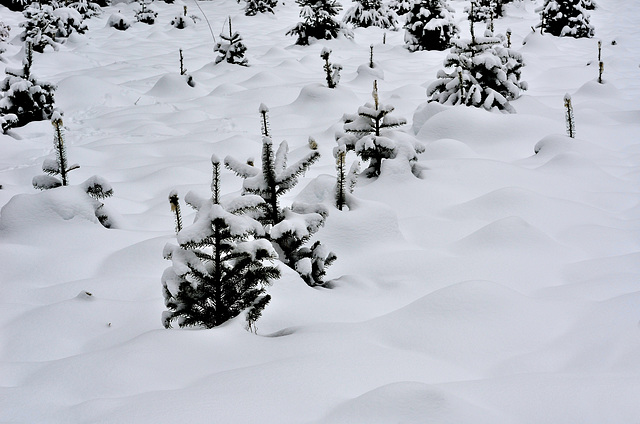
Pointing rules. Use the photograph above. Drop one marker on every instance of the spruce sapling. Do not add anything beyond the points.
(231, 48)
(364, 133)
(174, 201)
(56, 170)
(146, 15)
(218, 268)
(565, 18)
(332, 71)
(568, 115)
(600, 62)
(366, 13)
(253, 7)
(318, 21)
(23, 98)
(345, 181)
(429, 26)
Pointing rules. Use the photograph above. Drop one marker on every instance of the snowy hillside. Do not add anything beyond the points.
(502, 285)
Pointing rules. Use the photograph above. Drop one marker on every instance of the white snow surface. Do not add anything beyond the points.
(502, 286)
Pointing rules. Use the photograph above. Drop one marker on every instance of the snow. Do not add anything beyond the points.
(501, 286)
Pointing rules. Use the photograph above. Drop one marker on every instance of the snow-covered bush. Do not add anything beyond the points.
(181, 21)
(287, 228)
(565, 18)
(482, 73)
(86, 8)
(22, 97)
(218, 267)
(253, 7)
(47, 25)
(56, 170)
(401, 7)
(231, 49)
(429, 25)
(318, 21)
(331, 70)
(366, 13)
(368, 133)
(119, 22)
(145, 14)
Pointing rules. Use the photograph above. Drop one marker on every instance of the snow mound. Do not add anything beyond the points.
(447, 148)
(504, 235)
(171, 85)
(29, 211)
(80, 92)
(410, 403)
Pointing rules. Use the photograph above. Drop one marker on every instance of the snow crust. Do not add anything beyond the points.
(501, 286)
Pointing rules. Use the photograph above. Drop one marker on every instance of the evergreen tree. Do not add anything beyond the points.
(401, 7)
(119, 22)
(47, 25)
(318, 21)
(565, 18)
(22, 97)
(253, 7)
(291, 227)
(483, 73)
(367, 133)
(56, 170)
(144, 14)
(345, 181)
(366, 13)
(231, 48)
(429, 25)
(332, 70)
(218, 267)
(86, 8)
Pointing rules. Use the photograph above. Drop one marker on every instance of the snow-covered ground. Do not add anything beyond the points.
(502, 286)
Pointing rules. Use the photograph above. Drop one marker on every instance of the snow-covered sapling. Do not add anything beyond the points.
(231, 48)
(119, 22)
(483, 73)
(318, 21)
(365, 133)
(589, 4)
(40, 27)
(371, 63)
(332, 70)
(287, 228)
(366, 13)
(508, 34)
(429, 25)
(345, 181)
(568, 116)
(181, 21)
(253, 7)
(56, 168)
(219, 266)
(565, 18)
(600, 62)
(401, 7)
(144, 14)
(313, 262)
(174, 201)
(23, 98)
(86, 8)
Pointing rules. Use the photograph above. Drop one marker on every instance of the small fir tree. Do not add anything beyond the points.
(56, 174)
(145, 14)
(56, 169)
(291, 227)
(565, 18)
(366, 13)
(23, 98)
(86, 8)
(568, 116)
(401, 7)
(253, 7)
(182, 20)
(119, 22)
(429, 25)
(218, 267)
(40, 27)
(174, 201)
(231, 48)
(318, 21)
(345, 181)
(332, 70)
(367, 133)
(483, 73)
